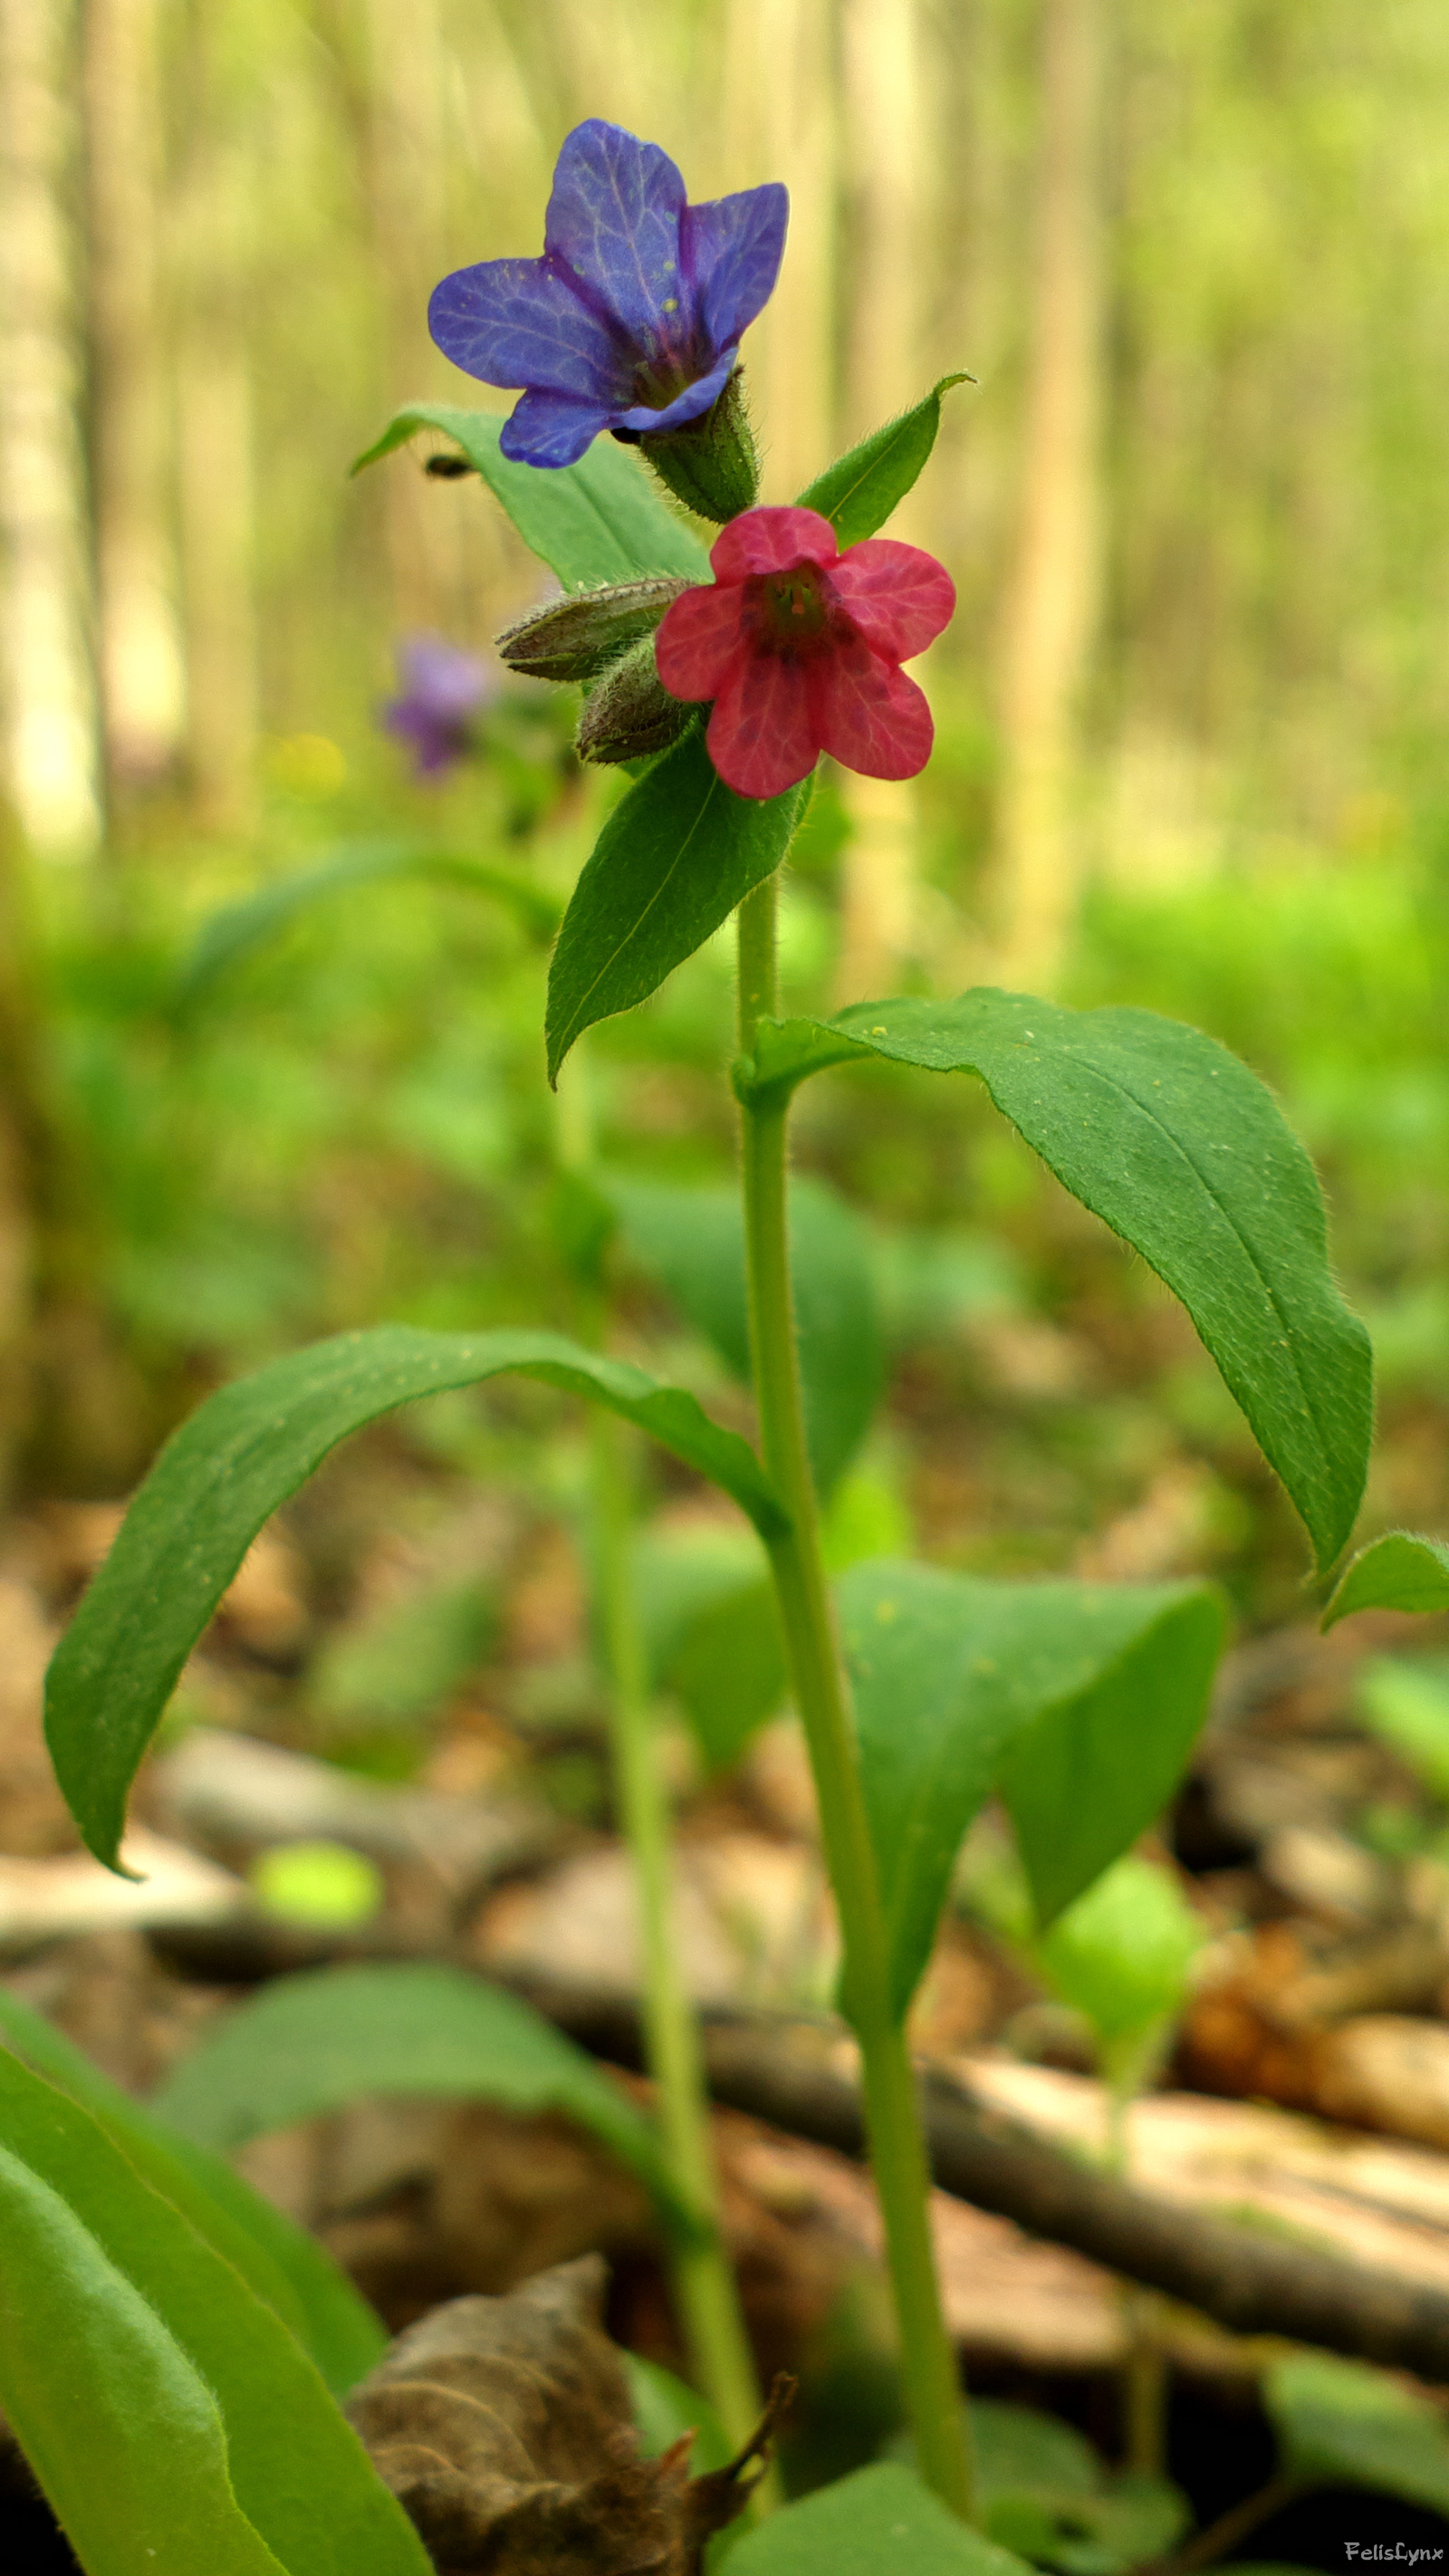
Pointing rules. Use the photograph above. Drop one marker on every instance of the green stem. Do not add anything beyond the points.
(1144, 2363)
(892, 2111)
(705, 2288)
(703, 2279)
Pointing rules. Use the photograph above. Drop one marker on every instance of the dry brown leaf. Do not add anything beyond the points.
(503, 2427)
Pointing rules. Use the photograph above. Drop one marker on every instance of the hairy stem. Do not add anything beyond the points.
(893, 2119)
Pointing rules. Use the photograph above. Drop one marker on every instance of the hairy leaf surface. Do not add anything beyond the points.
(1397, 1572)
(859, 491)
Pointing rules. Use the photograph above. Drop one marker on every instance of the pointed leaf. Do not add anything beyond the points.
(224, 1473)
(693, 1241)
(116, 2312)
(962, 1684)
(1397, 1572)
(1185, 1154)
(859, 491)
(873, 2523)
(279, 2260)
(310, 2043)
(671, 863)
(239, 928)
(595, 522)
(1341, 2424)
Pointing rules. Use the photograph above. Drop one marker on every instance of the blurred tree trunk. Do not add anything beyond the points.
(216, 476)
(406, 159)
(142, 680)
(45, 667)
(780, 122)
(1052, 601)
(884, 152)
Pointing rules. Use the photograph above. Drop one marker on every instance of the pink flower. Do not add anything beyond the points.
(800, 649)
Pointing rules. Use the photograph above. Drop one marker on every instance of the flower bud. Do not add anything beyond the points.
(574, 638)
(712, 465)
(630, 713)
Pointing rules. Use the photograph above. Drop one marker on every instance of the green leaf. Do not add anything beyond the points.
(873, 2523)
(1407, 1705)
(1122, 1954)
(310, 2043)
(224, 1473)
(671, 863)
(1184, 1153)
(859, 491)
(595, 522)
(1044, 2492)
(962, 1684)
(712, 1633)
(279, 2260)
(1342, 2424)
(171, 2417)
(664, 2409)
(239, 928)
(693, 1242)
(1397, 1572)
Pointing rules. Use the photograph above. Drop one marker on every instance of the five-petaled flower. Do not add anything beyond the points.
(443, 690)
(800, 648)
(632, 318)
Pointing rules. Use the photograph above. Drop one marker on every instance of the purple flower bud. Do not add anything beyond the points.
(632, 317)
(443, 690)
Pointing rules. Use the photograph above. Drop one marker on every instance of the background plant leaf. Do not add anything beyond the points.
(960, 1683)
(598, 521)
(671, 863)
(1121, 1955)
(116, 2313)
(859, 491)
(1185, 1154)
(279, 2260)
(692, 1241)
(311, 2043)
(712, 1633)
(1341, 2424)
(224, 1473)
(878, 2519)
(1397, 1572)
(1045, 2494)
(238, 929)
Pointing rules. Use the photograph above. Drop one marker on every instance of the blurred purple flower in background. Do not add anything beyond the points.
(443, 691)
(632, 317)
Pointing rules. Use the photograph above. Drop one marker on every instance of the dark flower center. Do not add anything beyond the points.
(792, 612)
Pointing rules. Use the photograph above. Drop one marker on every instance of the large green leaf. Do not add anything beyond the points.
(311, 2043)
(712, 1633)
(170, 2415)
(280, 2261)
(1184, 1153)
(598, 521)
(875, 2523)
(1340, 2424)
(859, 491)
(239, 928)
(693, 1242)
(962, 1684)
(1397, 1572)
(671, 863)
(225, 1472)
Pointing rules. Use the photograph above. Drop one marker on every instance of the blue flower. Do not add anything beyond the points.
(632, 317)
(443, 690)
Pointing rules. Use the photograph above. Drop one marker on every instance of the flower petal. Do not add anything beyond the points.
(897, 597)
(868, 715)
(613, 219)
(551, 429)
(731, 250)
(697, 639)
(771, 540)
(518, 322)
(761, 736)
(695, 399)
